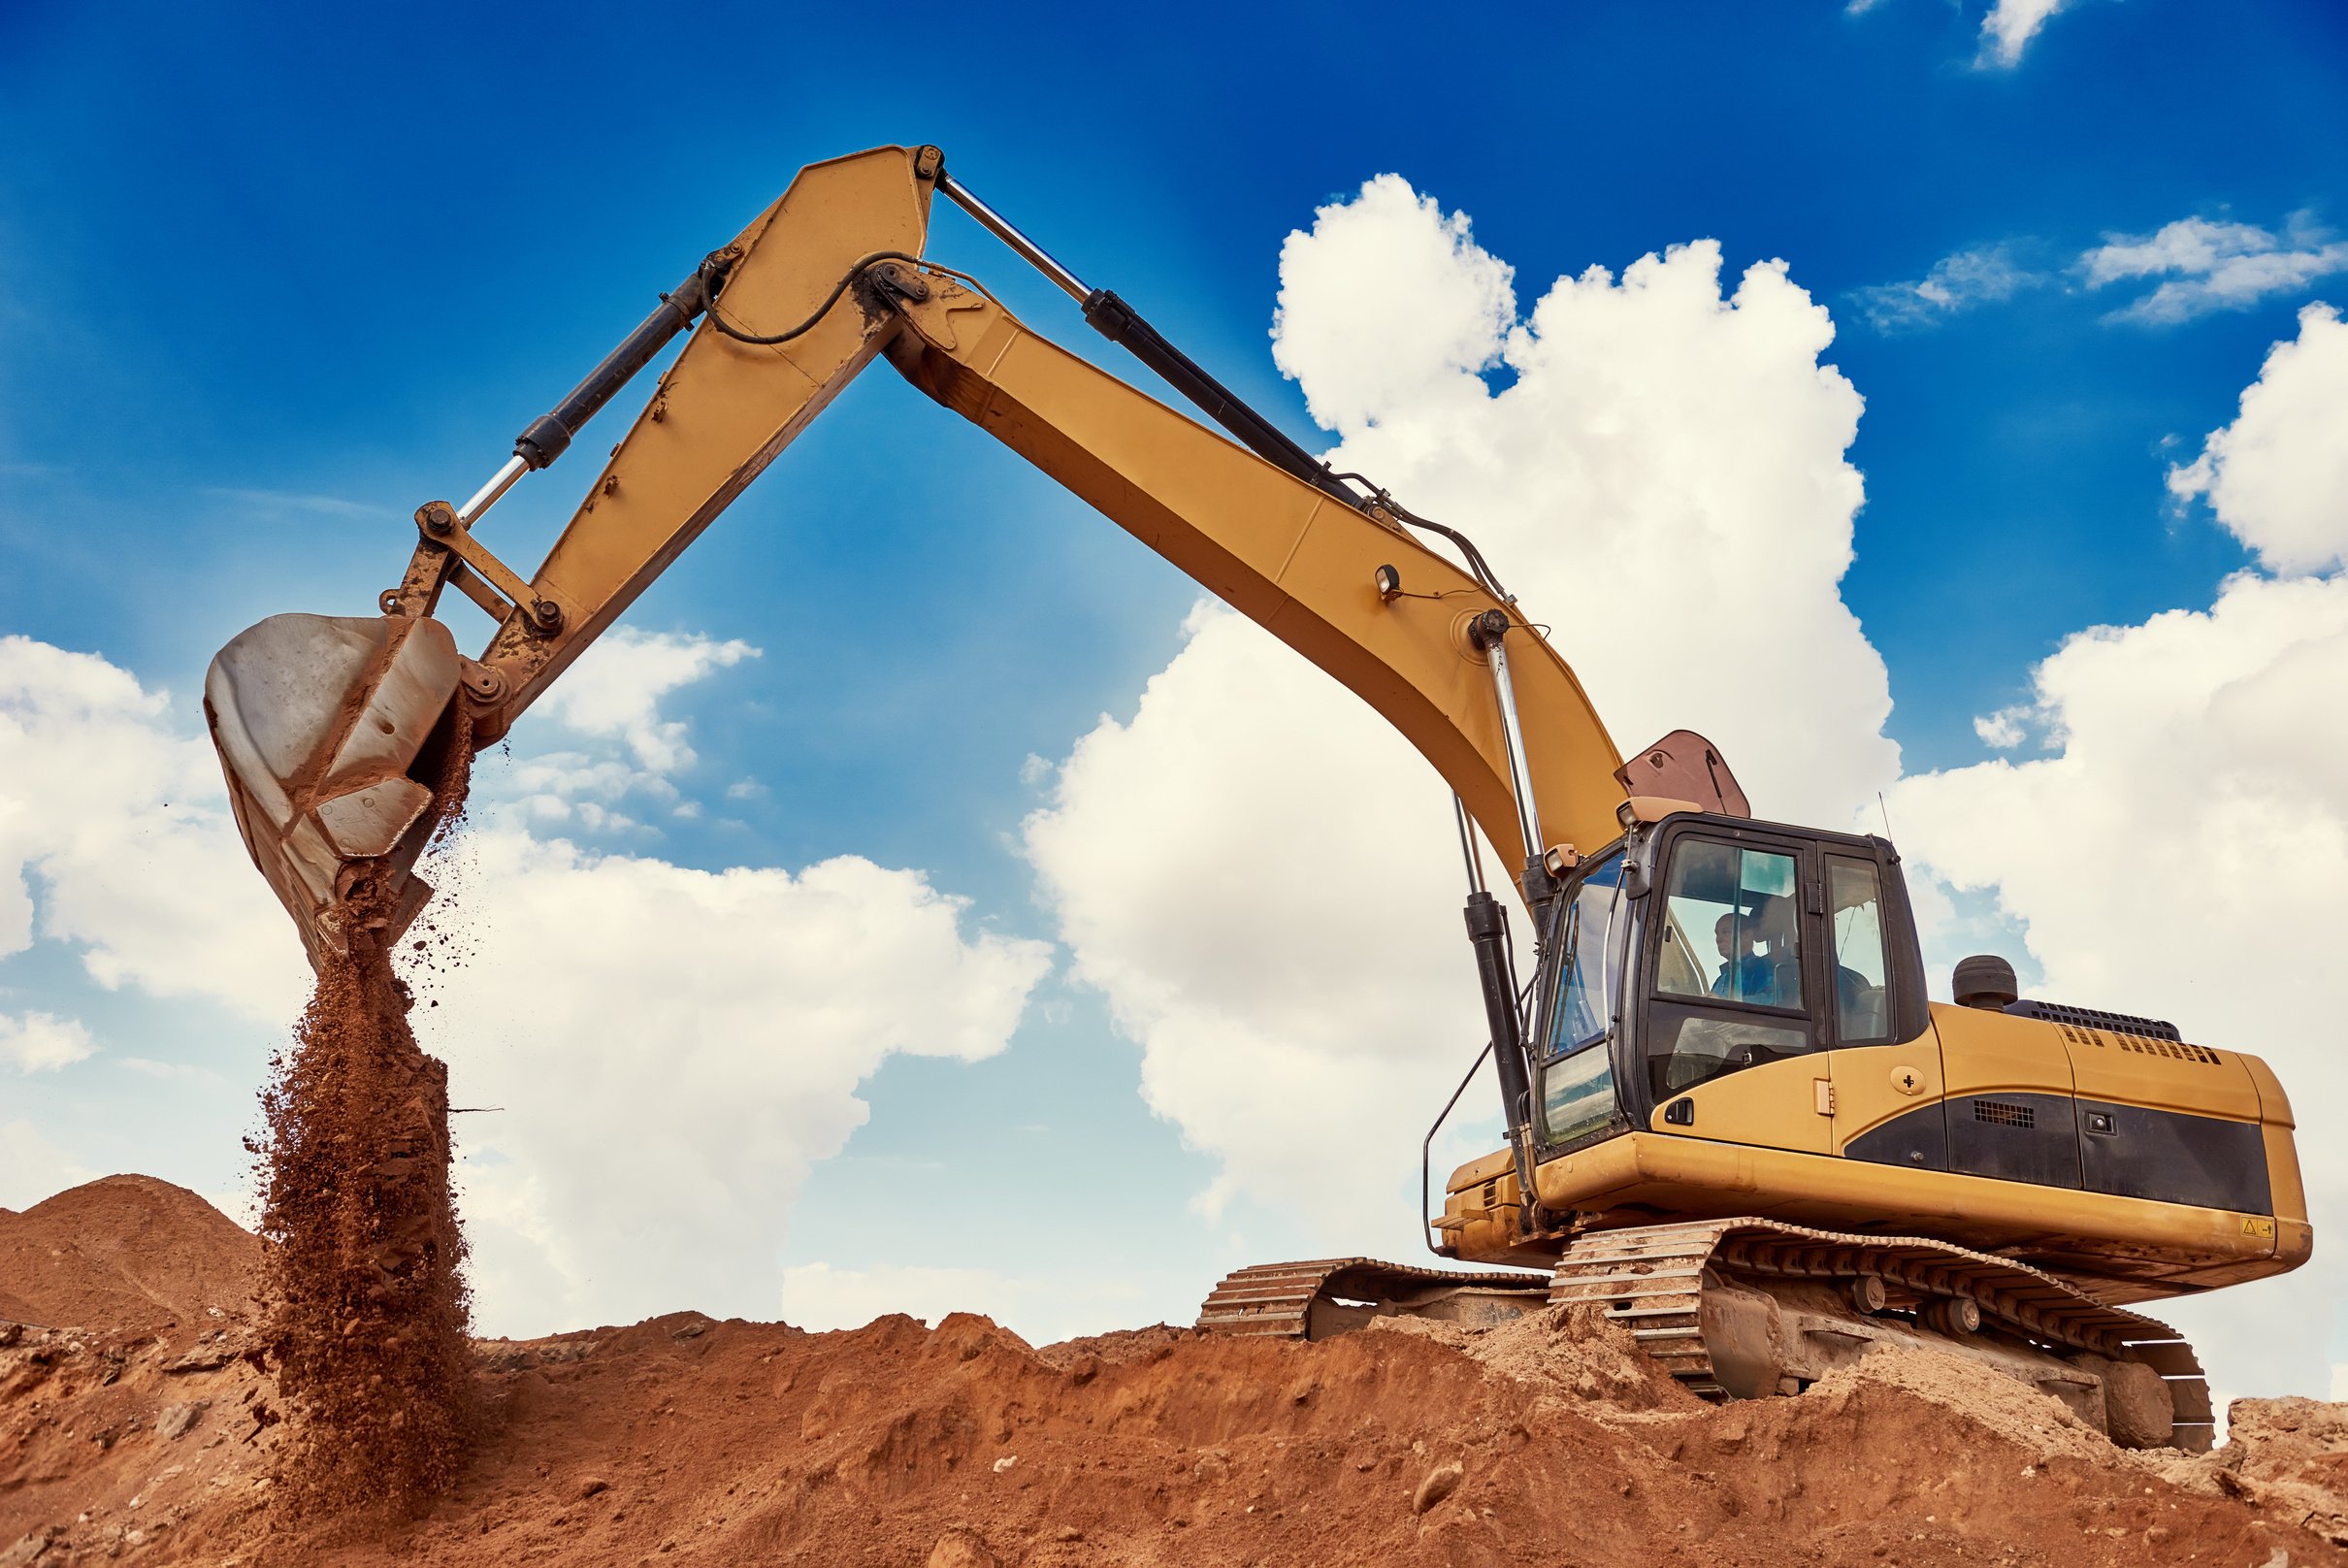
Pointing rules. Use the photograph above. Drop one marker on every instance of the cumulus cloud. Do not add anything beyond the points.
(674, 1047)
(2182, 849)
(672, 1050)
(2277, 477)
(615, 689)
(2009, 26)
(43, 1042)
(117, 818)
(32, 1168)
(1364, 344)
(1955, 283)
(2210, 266)
(2004, 729)
(1260, 876)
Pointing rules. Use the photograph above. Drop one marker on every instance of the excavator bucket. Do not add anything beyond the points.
(334, 734)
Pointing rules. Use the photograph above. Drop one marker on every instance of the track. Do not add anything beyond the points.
(1749, 1307)
(1652, 1280)
(1311, 1301)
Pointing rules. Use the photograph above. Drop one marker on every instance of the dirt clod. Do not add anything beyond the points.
(1438, 1483)
(962, 1549)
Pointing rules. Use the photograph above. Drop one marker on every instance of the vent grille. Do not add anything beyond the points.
(2175, 1050)
(1491, 1194)
(2005, 1113)
(2090, 1018)
(2145, 1037)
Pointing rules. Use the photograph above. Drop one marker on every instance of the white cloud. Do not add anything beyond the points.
(33, 1168)
(2183, 852)
(1953, 284)
(819, 1296)
(2212, 266)
(2009, 26)
(1263, 877)
(39, 1042)
(2003, 730)
(120, 822)
(673, 1050)
(2277, 477)
(674, 1047)
(279, 502)
(614, 690)
(1368, 343)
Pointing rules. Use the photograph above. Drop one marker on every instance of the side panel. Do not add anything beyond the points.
(2174, 1159)
(2297, 1239)
(1887, 1103)
(2009, 1098)
(2015, 1135)
(2169, 1247)
(1777, 1105)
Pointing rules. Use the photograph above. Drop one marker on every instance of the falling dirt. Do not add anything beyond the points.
(367, 1309)
(152, 1437)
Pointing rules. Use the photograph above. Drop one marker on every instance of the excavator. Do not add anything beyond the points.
(1736, 1128)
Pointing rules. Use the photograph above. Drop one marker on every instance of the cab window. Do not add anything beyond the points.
(1728, 987)
(1856, 911)
(1732, 926)
(1582, 1006)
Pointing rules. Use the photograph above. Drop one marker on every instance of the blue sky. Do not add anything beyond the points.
(267, 284)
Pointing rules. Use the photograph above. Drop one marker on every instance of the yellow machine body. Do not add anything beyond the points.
(1777, 1141)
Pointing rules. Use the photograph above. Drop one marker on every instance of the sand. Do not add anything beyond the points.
(682, 1440)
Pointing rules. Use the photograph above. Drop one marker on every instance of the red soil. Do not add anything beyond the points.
(681, 1440)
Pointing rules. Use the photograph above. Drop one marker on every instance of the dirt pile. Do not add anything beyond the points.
(367, 1309)
(684, 1440)
(128, 1251)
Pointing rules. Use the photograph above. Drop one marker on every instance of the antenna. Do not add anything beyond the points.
(1886, 810)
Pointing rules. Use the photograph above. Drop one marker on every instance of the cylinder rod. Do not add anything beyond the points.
(1001, 228)
(1487, 925)
(1467, 844)
(499, 483)
(1512, 735)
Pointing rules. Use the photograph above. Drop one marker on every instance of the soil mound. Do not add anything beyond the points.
(686, 1440)
(125, 1252)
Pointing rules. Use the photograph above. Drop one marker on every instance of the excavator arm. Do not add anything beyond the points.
(333, 731)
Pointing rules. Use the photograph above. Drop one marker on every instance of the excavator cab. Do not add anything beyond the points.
(1705, 945)
(1731, 1020)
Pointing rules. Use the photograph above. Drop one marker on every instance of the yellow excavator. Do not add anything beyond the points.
(1736, 1126)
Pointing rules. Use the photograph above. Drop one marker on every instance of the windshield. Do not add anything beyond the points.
(1581, 1009)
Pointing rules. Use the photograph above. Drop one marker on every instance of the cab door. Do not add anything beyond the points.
(1731, 1047)
(1886, 1077)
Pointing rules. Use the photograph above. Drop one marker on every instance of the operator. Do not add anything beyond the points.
(1744, 974)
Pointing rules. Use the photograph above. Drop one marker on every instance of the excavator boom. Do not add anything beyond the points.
(821, 284)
